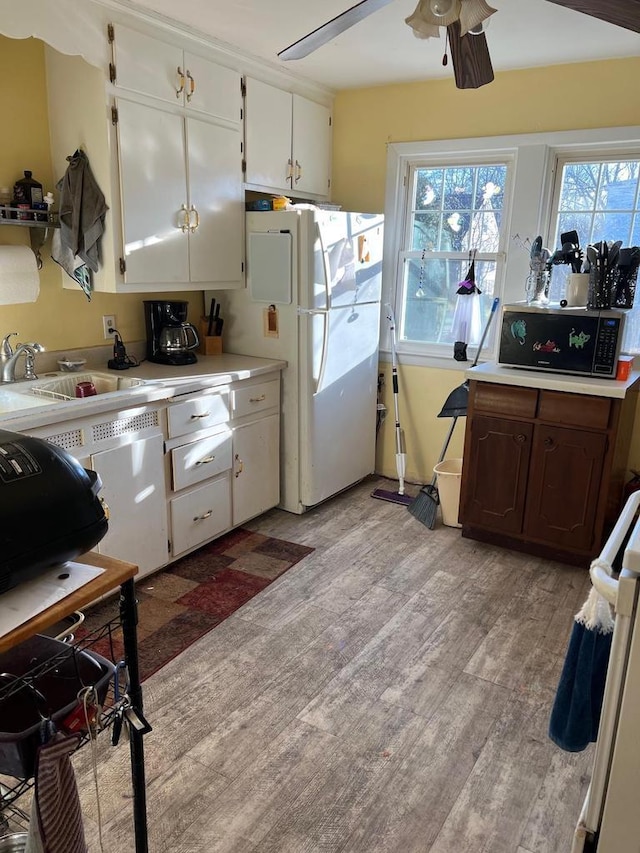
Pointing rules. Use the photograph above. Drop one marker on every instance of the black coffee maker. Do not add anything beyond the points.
(170, 339)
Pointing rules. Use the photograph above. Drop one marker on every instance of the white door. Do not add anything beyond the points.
(311, 147)
(216, 193)
(212, 88)
(338, 399)
(256, 468)
(147, 65)
(153, 187)
(268, 135)
(133, 487)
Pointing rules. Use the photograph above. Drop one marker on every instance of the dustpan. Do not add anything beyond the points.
(455, 406)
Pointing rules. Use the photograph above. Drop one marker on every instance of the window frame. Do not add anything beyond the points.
(533, 186)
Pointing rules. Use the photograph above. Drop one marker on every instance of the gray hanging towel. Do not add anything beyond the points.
(58, 826)
(75, 245)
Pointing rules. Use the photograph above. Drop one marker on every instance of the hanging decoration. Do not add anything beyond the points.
(467, 317)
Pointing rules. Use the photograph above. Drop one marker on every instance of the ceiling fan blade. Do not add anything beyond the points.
(470, 58)
(622, 13)
(313, 40)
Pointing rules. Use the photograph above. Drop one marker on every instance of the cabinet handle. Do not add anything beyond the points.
(184, 227)
(195, 226)
(298, 172)
(521, 438)
(180, 90)
(198, 417)
(258, 399)
(192, 86)
(206, 460)
(239, 466)
(204, 515)
(548, 442)
(289, 168)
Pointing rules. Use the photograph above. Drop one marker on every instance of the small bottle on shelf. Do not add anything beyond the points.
(26, 192)
(5, 201)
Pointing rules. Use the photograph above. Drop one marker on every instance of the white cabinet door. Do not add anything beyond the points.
(311, 146)
(147, 65)
(268, 135)
(216, 192)
(153, 188)
(150, 66)
(133, 487)
(256, 468)
(212, 88)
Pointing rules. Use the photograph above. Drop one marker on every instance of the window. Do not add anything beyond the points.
(447, 198)
(454, 218)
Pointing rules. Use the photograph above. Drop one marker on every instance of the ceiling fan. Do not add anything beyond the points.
(464, 21)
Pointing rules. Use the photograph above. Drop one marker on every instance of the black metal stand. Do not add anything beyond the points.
(129, 620)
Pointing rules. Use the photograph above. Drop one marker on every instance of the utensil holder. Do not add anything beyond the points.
(624, 287)
(537, 287)
(209, 344)
(600, 289)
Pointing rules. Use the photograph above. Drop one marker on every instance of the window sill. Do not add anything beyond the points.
(439, 362)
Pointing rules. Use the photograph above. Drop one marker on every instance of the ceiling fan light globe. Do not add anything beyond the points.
(439, 13)
(473, 15)
(441, 8)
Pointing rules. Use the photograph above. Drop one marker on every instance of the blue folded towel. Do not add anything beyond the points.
(575, 716)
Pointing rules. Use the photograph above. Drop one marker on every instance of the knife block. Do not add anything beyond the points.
(209, 344)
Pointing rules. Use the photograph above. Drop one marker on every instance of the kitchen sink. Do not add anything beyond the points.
(64, 388)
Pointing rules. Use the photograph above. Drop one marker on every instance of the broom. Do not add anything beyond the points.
(398, 497)
(424, 506)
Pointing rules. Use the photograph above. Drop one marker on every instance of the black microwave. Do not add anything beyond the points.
(564, 340)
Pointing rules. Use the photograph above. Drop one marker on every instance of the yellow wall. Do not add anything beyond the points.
(60, 319)
(562, 97)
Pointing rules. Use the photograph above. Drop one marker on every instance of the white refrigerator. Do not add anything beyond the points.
(314, 283)
(610, 817)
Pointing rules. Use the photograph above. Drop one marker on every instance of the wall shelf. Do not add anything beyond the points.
(39, 223)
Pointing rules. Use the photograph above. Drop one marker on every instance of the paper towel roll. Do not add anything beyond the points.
(19, 277)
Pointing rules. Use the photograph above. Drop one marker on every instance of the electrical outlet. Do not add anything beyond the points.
(108, 325)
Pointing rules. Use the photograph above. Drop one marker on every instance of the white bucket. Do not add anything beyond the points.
(449, 476)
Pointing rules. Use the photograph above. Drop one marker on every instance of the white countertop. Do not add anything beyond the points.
(499, 373)
(161, 382)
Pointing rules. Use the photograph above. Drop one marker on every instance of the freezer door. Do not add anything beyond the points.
(338, 399)
(348, 258)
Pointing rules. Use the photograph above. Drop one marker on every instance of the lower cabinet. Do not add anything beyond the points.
(133, 489)
(200, 515)
(256, 468)
(544, 470)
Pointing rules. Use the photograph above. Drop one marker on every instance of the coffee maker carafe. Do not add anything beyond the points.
(170, 339)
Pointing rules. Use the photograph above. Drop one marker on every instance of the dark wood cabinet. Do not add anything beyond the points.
(544, 470)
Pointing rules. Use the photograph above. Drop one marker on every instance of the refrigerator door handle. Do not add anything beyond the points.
(323, 359)
(326, 266)
(303, 311)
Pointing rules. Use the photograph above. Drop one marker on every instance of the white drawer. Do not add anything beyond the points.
(200, 515)
(200, 460)
(255, 398)
(197, 413)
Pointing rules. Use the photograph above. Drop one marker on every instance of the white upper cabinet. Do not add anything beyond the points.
(152, 67)
(288, 141)
(181, 191)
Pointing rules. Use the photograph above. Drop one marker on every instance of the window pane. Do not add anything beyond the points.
(430, 297)
(458, 208)
(579, 186)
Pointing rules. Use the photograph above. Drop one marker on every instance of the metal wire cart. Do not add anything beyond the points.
(78, 660)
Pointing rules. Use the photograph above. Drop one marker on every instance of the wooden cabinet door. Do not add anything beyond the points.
(216, 192)
(153, 186)
(311, 146)
(256, 468)
(133, 487)
(268, 135)
(495, 474)
(566, 472)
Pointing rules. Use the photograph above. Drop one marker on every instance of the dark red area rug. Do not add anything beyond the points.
(179, 604)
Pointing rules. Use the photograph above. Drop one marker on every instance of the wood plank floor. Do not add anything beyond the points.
(391, 692)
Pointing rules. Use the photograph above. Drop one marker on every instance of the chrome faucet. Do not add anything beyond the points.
(9, 359)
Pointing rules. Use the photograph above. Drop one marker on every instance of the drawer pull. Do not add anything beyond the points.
(197, 417)
(548, 442)
(258, 399)
(521, 438)
(239, 466)
(204, 516)
(206, 460)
